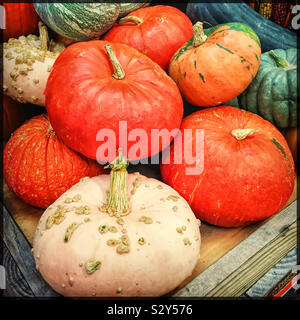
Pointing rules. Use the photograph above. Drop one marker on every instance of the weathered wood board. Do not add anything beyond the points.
(216, 241)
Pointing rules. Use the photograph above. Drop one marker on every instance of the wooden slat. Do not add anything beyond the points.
(20, 251)
(274, 275)
(243, 278)
(218, 272)
(15, 283)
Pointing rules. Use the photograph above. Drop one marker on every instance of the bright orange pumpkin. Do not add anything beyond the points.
(13, 115)
(217, 64)
(20, 19)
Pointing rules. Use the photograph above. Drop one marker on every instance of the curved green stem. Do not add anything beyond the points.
(280, 62)
(117, 201)
(119, 73)
(198, 34)
(133, 19)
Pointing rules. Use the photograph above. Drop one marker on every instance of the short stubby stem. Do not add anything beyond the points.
(134, 19)
(198, 34)
(119, 73)
(117, 201)
(280, 62)
(241, 134)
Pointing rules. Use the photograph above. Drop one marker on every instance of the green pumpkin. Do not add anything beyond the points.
(79, 21)
(131, 5)
(273, 92)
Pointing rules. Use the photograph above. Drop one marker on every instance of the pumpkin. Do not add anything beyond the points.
(216, 66)
(291, 136)
(245, 170)
(13, 115)
(99, 84)
(89, 245)
(157, 31)
(271, 35)
(27, 63)
(38, 167)
(20, 19)
(79, 21)
(273, 92)
(130, 5)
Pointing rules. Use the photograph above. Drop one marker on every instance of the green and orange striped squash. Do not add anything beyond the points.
(216, 64)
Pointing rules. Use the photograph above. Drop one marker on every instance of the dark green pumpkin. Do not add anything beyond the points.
(273, 92)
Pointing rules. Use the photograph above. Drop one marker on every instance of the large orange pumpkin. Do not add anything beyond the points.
(246, 171)
(39, 167)
(216, 65)
(13, 115)
(20, 19)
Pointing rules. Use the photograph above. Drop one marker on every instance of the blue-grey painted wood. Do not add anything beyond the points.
(15, 283)
(274, 275)
(20, 251)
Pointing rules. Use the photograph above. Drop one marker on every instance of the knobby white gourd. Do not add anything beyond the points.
(27, 63)
(118, 235)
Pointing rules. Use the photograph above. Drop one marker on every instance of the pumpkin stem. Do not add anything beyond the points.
(280, 62)
(119, 73)
(43, 36)
(241, 134)
(198, 34)
(133, 19)
(117, 201)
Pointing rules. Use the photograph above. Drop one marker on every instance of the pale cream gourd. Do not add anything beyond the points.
(27, 63)
(96, 242)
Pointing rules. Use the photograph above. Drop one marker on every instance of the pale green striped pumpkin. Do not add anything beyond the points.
(79, 21)
(131, 5)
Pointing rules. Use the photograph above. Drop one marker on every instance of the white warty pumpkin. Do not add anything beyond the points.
(27, 63)
(81, 249)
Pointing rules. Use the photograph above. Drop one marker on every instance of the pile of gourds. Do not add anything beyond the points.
(107, 235)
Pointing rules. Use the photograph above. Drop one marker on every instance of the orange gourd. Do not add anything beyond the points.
(217, 65)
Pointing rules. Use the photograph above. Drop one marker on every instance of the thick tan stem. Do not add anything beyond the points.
(117, 201)
(118, 70)
(44, 36)
(198, 34)
(133, 19)
(241, 134)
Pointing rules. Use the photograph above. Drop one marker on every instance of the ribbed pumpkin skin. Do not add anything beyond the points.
(220, 68)
(20, 19)
(243, 181)
(38, 167)
(78, 21)
(163, 31)
(82, 97)
(273, 92)
(13, 115)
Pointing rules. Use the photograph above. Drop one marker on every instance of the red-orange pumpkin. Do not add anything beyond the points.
(217, 64)
(96, 84)
(248, 172)
(157, 31)
(20, 19)
(39, 167)
(13, 115)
